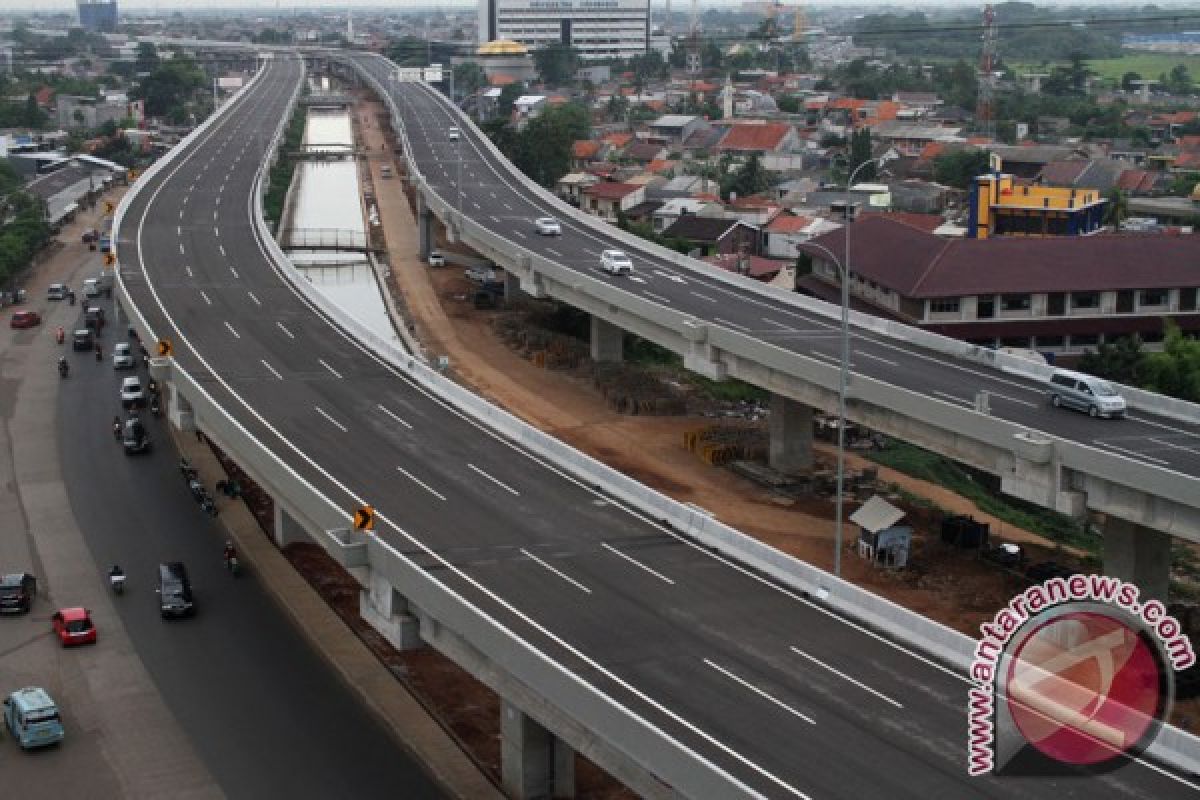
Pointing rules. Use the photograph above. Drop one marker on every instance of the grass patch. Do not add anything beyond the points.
(283, 169)
(927, 466)
(729, 391)
(1148, 65)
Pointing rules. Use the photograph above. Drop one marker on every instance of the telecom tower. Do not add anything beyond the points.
(693, 48)
(984, 109)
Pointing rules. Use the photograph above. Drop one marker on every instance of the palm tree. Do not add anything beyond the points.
(1117, 209)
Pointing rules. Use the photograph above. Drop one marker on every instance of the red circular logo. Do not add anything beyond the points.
(1084, 687)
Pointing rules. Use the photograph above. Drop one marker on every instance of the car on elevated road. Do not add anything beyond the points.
(616, 262)
(547, 226)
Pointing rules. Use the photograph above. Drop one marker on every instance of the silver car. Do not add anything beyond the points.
(547, 226)
(616, 262)
(122, 356)
(132, 393)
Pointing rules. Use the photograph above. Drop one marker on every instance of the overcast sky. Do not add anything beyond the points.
(678, 6)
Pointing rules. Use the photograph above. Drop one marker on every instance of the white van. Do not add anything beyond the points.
(1085, 392)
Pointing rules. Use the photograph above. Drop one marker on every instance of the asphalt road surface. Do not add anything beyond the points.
(267, 715)
(788, 698)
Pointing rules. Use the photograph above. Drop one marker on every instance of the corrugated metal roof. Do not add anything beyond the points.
(876, 515)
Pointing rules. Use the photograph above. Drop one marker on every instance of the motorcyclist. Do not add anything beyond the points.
(117, 427)
(116, 571)
(59, 334)
(63, 366)
(229, 554)
(99, 352)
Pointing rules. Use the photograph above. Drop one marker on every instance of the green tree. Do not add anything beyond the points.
(408, 51)
(618, 107)
(469, 78)
(168, 88)
(1176, 370)
(1179, 81)
(147, 58)
(1128, 81)
(508, 97)
(860, 153)
(556, 64)
(959, 168)
(1117, 208)
(1122, 361)
(749, 179)
(543, 150)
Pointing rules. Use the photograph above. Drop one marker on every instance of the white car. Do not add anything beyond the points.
(122, 356)
(453, 133)
(436, 259)
(616, 262)
(547, 226)
(132, 393)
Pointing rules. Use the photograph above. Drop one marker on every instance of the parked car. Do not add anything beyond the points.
(83, 339)
(25, 319)
(17, 591)
(616, 262)
(122, 356)
(132, 393)
(73, 626)
(453, 133)
(32, 716)
(547, 226)
(436, 259)
(1085, 392)
(134, 437)
(56, 291)
(480, 274)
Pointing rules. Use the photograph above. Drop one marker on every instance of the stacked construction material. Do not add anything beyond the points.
(721, 444)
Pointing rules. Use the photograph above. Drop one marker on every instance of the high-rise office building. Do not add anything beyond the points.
(596, 28)
(98, 15)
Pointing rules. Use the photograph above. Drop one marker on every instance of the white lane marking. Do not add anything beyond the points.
(339, 425)
(846, 677)
(637, 279)
(1174, 446)
(705, 297)
(477, 206)
(519, 233)
(1128, 452)
(495, 219)
(874, 357)
(837, 362)
(202, 294)
(777, 323)
(321, 361)
(952, 398)
(188, 270)
(181, 248)
(257, 302)
(730, 324)
(217, 203)
(393, 416)
(496, 481)
(557, 572)
(285, 330)
(493, 194)
(671, 276)
(420, 483)
(1010, 399)
(236, 335)
(1154, 424)
(271, 369)
(657, 297)
(553, 252)
(221, 247)
(636, 563)
(179, 228)
(506, 205)
(234, 271)
(216, 232)
(215, 214)
(760, 692)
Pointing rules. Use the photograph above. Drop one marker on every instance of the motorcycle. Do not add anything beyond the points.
(63, 368)
(155, 408)
(233, 565)
(117, 581)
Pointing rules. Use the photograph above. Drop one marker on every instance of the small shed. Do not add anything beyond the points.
(880, 539)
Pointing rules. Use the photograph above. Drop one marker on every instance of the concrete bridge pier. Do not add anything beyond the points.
(388, 612)
(608, 341)
(1139, 555)
(179, 410)
(534, 763)
(286, 529)
(425, 237)
(791, 429)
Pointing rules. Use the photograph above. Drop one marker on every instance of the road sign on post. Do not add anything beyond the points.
(364, 518)
(164, 348)
(108, 207)
(109, 259)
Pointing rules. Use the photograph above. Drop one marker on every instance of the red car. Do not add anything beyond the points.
(74, 626)
(25, 319)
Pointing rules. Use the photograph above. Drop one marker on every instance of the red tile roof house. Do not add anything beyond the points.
(767, 137)
(715, 235)
(1057, 295)
(756, 267)
(605, 199)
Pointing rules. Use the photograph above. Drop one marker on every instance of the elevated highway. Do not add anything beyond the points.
(984, 408)
(605, 630)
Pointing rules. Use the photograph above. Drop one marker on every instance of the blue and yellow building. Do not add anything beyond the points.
(999, 207)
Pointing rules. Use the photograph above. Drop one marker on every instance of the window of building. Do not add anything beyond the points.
(1085, 340)
(1152, 297)
(1051, 341)
(1151, 337)
(1023, 342)
(1085, 299)
(944, 305)
(1014, 302)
